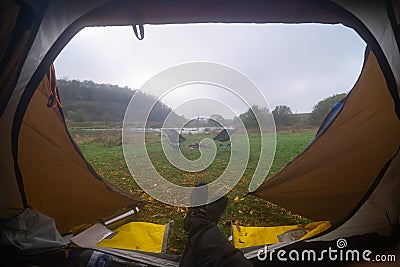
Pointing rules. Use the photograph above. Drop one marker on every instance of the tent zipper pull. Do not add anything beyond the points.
(53, 100)
(138, 29)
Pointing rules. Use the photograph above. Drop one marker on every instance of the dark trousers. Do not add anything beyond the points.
(207, 246)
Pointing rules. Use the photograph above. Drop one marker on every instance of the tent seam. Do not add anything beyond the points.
(16, 122)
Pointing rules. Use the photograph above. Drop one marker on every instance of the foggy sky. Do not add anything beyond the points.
(294, 65)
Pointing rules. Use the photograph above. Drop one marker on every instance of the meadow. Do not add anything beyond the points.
(103, 150)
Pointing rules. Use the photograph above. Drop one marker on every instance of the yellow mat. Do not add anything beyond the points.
(141, 236)
(254, 236)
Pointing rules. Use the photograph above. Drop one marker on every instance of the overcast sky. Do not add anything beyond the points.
(293, 65)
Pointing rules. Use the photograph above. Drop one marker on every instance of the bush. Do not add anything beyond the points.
(78, 115)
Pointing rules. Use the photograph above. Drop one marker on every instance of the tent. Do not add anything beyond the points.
(225, 135)
(174, 137)
(348, 175)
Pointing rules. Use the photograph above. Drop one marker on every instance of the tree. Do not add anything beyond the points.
(323, 107)
(283, 115)
(249, 118)
(235, 120)
(217, 120)
(78, 116)
(108, 103)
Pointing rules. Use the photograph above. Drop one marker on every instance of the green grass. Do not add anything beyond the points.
(104, 152)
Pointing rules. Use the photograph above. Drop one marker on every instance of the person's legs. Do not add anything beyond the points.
(207, 246)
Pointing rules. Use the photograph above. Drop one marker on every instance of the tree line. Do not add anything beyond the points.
(89, 101)
(283, 115)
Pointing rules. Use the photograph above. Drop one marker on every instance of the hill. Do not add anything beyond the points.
(87, 101)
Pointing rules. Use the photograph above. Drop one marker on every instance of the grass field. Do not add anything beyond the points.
(103, 150)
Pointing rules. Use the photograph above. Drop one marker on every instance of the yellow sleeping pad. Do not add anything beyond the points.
(141, 236)
(254, 236)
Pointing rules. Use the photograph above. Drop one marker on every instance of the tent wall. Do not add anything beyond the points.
(57, 21)
(57, 179)
(17, 31)
(379, 213)
(52, 23)
(332, 176)
(374, 15)
(15, 78)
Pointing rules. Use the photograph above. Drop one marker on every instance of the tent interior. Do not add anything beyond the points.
(348, 175)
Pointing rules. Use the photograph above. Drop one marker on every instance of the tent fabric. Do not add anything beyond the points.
(50, 160)
(330, 178)
(14, 41)
(374, 16)
(337, 107)
(12, 201)
(56, 23)
(173, 136)
(225, 135)
(15, 34)
(379, 213)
